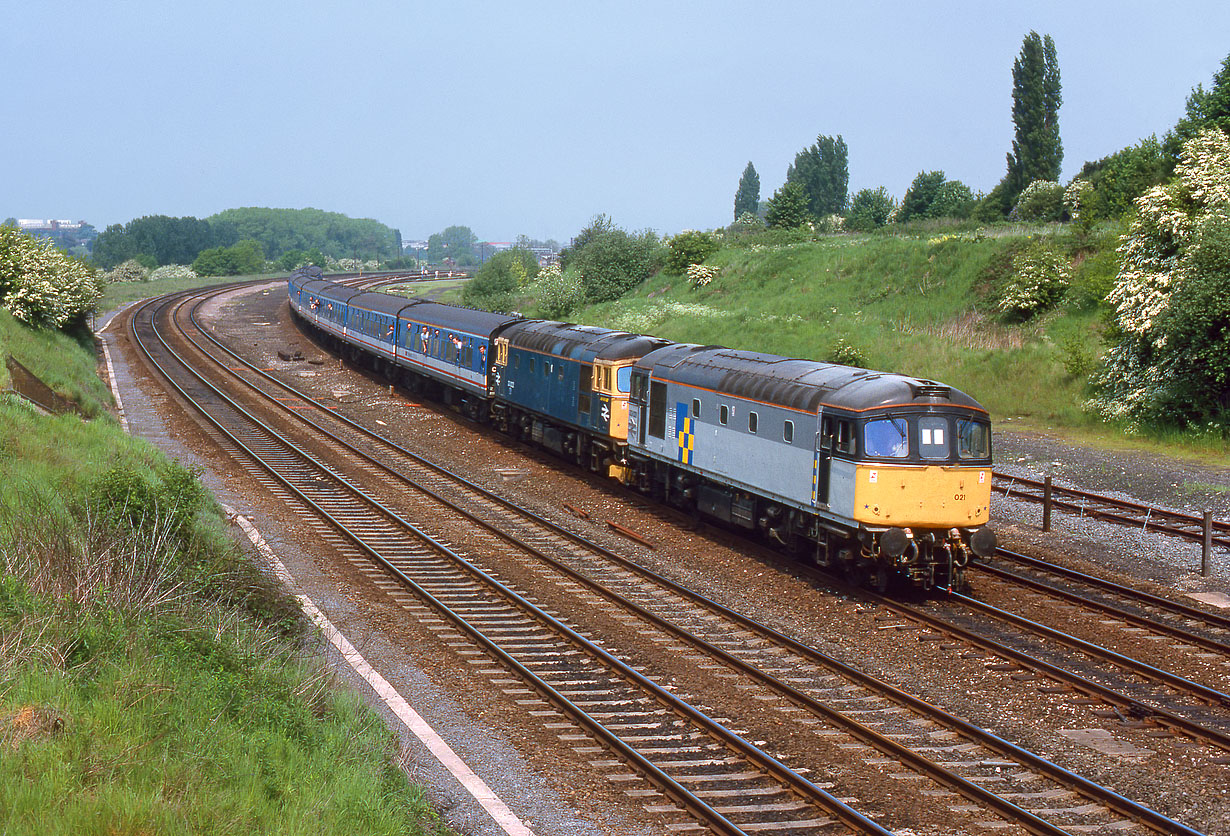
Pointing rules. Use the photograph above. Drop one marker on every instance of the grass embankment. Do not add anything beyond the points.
(922, 304)
(121, 293)
(151, 679)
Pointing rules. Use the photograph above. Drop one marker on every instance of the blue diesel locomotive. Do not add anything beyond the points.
(879, 476)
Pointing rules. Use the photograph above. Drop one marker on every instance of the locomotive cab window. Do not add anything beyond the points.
(933, 437)
(623, 379)
(887, 438)
(973, 439)
(826, 434)
(844, 437)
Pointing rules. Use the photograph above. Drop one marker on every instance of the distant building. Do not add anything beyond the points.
(75, 236)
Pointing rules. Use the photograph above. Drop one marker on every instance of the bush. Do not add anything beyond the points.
(40, 284)
(688, 248)
(1172, 297)
(130, 271)
(558, 293)
(870, 209)
(615, 262)
(172, 272)
(1042, 200)
(1041, 275)
(747, 223)
(500, 279)
(245, 258)
(842, 352)
(788, 208)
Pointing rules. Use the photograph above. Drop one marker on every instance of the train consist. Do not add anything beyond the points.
(879, 476)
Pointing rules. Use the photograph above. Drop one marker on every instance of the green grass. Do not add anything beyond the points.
(441, 290)
(115, 295)
(63, 362)
(152, 679)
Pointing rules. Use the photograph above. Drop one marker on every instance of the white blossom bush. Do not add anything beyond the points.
(700, 275)
(558, 293)
(1076, 197)
(128, 271)
(173, 272)
(1041, 275)
(1172, 297)
(1041, 200)
(41, 285)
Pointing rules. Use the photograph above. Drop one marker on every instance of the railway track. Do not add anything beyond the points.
(699, 766)
(1109, 509)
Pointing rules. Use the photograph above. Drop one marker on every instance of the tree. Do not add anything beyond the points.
(598, 225)
(615, 261)
(1037, 151)
(455, 242)
(1117, 180)
(870, 209)
(747, 196)
(824, 175)
(788, 208)
(497, 282)
(1205, 109)
(689, 247)
(40, 284)
(1172, 297)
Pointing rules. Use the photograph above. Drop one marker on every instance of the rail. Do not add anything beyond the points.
(1200, 529)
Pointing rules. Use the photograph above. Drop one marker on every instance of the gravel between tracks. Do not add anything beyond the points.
(830, 622)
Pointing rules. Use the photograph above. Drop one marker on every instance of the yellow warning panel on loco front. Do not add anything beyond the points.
(927, 497)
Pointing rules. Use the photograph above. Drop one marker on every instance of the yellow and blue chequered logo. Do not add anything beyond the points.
(684, 433)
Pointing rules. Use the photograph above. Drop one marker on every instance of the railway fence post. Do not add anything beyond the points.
(1208, 544)
(1046, 504)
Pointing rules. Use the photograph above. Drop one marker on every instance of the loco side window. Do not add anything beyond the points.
(788, 432)
(973, 439)
(933, 437)
(696, 407)
(753, 422)
(886, 438)
(723, 414)
(844, 438)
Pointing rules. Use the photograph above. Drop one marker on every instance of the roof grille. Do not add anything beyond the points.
(930, 389)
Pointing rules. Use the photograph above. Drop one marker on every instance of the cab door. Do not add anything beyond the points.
(823, 461)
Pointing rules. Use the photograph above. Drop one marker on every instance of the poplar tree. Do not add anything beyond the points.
(823, 173)
(747, 198)
(1037, 151)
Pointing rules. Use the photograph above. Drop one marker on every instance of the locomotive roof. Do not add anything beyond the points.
(579, 342)
(799, 384)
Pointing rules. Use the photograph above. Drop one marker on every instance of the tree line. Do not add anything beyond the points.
(156, 240)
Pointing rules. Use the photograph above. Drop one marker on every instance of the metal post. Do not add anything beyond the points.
(1208, 544)
(1046, 504)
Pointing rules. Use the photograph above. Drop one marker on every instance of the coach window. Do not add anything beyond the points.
(695, 407)
(723, 414)
(933, 437)
(788, 432)
(753, 421)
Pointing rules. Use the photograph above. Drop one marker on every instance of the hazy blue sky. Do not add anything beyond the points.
(530, 118)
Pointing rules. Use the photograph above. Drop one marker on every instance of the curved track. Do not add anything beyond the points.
(366, 502)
